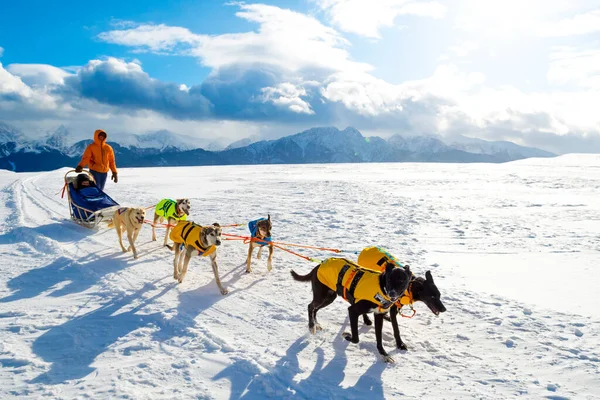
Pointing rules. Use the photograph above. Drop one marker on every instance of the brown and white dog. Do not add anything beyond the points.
(260, 231)
(128, 219)
(171, 211)
(192, 240)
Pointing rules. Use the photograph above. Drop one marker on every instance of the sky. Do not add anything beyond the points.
(523, 71)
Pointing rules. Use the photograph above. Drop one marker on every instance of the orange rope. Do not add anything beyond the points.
(249, 239)
(169, 225)
(283, 244)
(296, 254)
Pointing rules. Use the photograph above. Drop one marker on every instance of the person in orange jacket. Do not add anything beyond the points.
(100, 157)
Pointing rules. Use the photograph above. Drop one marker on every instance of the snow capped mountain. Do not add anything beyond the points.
(241, 143)
(509, 149)
(418, 144)
(160, 140)
(316, 145)
(9, 133)
(59, 139)
(217, 144)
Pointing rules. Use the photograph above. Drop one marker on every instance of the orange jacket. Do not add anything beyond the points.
(99, 155)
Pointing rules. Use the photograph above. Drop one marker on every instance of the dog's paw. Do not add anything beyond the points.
(224, 291)
(258, 256)
(318, 327)
(269, 267)
(402, 346)
(248, 270)
(367, 321)
(312, 330)
(388, 359)
(135, 256)
(128, 249)
(348, 337)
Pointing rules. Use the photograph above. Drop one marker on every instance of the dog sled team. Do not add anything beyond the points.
(375, 283)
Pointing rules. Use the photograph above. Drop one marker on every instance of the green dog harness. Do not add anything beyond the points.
(167, 208)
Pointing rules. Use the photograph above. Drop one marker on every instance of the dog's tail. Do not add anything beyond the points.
(304, 278)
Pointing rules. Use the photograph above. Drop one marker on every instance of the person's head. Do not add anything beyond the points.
(83, 180)
(100, 136)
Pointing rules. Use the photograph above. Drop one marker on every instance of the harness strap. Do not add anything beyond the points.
(184, 233)
(197, 243)
(346, 285)
(340, 287)
(357, 277)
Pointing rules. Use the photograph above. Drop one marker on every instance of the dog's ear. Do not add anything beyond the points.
(269, 217)
(389, 267)
(408, 271)
(216, 224)
(428, 277)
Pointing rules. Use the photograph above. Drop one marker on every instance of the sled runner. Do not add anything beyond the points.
(88, 205)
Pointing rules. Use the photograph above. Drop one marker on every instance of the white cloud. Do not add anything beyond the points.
(1, 51)
(366, 17)
(571, 66)
(289, 96)
(464, 49)
(18, 98)
(155, 38)
(285, 38)
(38, 74)
(580, 24)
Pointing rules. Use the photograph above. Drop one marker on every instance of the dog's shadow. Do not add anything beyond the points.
(192, 303)
(79, 275)
(247, 381)
(73, 346)
(55, 231)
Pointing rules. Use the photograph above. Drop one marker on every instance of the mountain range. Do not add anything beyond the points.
(316, 145)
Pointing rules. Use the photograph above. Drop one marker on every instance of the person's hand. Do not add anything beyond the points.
(114, 177)
(79, 169)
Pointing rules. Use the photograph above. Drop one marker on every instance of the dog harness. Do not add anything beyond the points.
(189, 234)
(352, 282)
(252, 226)
(375, 258)
(167, 208)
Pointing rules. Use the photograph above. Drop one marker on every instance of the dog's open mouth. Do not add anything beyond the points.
(433, 309)
(140, 220)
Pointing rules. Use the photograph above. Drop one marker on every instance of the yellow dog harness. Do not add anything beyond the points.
(189, 234)
(375, 258)
(352, 282)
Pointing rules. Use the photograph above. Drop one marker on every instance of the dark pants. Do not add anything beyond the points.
(100, 178)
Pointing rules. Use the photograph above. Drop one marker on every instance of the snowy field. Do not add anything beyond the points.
(514, 249)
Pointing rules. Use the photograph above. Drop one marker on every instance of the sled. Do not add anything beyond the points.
(89, 206)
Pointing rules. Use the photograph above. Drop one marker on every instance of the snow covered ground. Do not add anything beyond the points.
(514, 249)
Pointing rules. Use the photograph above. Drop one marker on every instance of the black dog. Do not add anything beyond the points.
(366, 290)
(419, 289)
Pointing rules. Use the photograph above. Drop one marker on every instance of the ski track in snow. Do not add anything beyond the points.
(512, 247)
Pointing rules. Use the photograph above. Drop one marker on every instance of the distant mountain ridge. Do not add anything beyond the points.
(316, 145)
